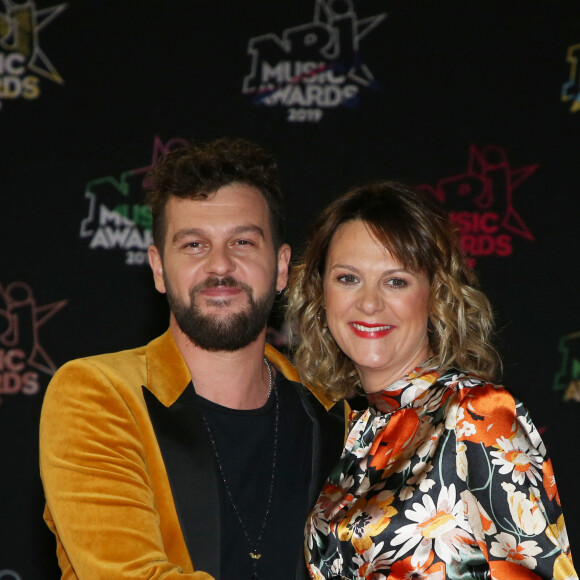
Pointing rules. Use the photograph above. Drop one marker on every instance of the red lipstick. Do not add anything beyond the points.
(369, 330)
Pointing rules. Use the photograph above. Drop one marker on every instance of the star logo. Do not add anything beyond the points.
(488, 185)
(23, 63)
(20, 28)
(314, 66)
(20, 321)
(117, 216)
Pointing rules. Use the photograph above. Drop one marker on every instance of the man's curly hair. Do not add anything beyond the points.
(195, 171)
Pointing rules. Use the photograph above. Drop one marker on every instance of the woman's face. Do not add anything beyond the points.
(375, 309)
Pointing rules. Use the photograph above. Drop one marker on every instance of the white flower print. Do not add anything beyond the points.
(525, 511)
(426, 485)
(421, 470)
(316, 521)
(337, 565)
(454, 414)
(440, 527)
(479, 521)
(371, 560)
(507, 548)
(466, 429)
(315, 573)
(533, 435)
(427, 449)
(353, 443)
(461, 461)
(413, 392)
(520, 458)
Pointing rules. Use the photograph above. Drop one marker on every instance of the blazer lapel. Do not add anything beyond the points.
(190, 467)
(328, 442)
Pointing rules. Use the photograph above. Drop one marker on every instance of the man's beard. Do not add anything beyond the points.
(229, 333)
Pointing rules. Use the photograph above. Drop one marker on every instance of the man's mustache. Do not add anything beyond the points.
(221, 282)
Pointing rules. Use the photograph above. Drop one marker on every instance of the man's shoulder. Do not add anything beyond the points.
(125, 365)
(129, 365)
(105, 360)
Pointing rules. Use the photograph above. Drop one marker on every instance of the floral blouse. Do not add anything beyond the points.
(441, 477)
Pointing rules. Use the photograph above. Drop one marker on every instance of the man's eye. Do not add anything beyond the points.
(193, 246)
(244, 243)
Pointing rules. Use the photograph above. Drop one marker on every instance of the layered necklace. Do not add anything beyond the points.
(254, 546)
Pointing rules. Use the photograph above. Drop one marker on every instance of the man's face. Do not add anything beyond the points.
(219, 267)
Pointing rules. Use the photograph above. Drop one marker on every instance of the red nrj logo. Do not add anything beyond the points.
(481, 202)
(22, 356)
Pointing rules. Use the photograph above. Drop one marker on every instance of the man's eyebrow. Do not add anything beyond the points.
(185, 232)
(242, 229)
(249, 228)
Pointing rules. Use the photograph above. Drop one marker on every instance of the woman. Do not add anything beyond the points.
(444, 475)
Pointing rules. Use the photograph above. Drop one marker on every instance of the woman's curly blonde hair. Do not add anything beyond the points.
(418, 233)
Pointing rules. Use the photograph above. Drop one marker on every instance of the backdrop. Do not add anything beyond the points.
(478, 102)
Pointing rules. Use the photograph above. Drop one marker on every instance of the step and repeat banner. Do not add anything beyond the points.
(476, 102)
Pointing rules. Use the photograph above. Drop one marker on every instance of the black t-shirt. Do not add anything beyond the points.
(244, 439)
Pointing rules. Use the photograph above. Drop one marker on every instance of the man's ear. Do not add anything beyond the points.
(284, 254)
(157, 267)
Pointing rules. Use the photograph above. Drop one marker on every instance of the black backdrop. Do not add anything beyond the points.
(477, 101)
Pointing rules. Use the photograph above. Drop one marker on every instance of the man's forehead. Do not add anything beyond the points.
(233, 208)
(231, 196)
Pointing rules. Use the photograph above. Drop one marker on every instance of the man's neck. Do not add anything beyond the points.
(238, 379)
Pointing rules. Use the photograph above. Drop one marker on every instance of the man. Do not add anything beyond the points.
(198, 455)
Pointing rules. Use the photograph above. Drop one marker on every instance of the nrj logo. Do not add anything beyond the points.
(117, 217)
(313, 66)
(571, 88)
(22, 61)
(22, 356)
(568, 377)
(481, 202)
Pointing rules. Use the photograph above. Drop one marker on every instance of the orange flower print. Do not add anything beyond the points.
(549, 481)
(367, 519)
(405, 570)
(487, 412)
(395, 439)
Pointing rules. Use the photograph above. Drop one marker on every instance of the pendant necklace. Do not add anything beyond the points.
(254, 552)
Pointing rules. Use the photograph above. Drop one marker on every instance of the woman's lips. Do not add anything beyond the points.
(365, 330)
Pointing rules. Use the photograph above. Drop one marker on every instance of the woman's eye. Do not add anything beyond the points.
(397, 282)
(347, 278)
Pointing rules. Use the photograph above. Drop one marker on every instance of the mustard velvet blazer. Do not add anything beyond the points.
(128, 474)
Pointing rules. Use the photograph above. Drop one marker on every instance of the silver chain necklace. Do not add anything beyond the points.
(254, 553)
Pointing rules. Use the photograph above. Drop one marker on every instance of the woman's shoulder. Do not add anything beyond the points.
(470, 386)
(481, 411)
